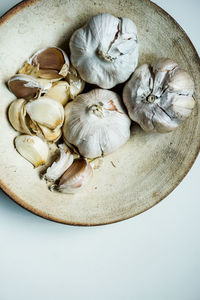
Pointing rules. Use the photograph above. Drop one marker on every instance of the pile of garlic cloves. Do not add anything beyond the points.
(51, 108)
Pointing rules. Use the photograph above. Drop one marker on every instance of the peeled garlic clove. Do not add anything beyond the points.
(164, 100)
(24, 86)
(46, 112)
(17, 116)
(32, 148)
(51, 62)
(14, 112)
(51, 135)
(60, 92)
(75, 178)
(76, 84)
(59, 167)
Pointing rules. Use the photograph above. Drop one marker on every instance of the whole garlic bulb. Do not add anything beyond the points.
(96, 123)
(105, 50)
(160, 97)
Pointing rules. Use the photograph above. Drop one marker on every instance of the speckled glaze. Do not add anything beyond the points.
(143, 171)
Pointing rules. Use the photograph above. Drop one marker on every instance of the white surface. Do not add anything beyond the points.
(154, 256)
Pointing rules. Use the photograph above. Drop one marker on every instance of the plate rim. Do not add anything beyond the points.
(6, 16)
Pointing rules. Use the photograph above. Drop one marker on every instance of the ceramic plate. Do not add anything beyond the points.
(142, 172)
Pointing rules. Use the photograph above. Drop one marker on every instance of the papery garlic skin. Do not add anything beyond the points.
(46, 112)
(75, 178)
(58, 168)
(26, 87)
(32, 148)
(76, 84)
(49, 63)
(96, 123)
(160, 97)
(105, 50)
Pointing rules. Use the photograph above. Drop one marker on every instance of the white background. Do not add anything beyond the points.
(154, 256)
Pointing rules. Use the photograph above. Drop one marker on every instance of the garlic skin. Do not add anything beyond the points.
(76, 84)
(58, 168)
(105, 50)
(26, 87)
(46, 112)
(75, 178)
(160, 97)
(49, 63)
(60, 92)
(32, 148)
(96, 123)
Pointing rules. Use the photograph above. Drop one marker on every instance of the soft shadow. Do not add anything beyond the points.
(38, 225)
(20, 215)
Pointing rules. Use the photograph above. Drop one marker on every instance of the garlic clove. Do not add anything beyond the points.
(184, 101)
(24, 86)
(182, 106)
(164, 65)
(162, 121)
(60, 92)
(181, 82)
(14, 112)
(32, 148)
(45, 83)
(46, 112)
(17, 116)
(51, 135)
(51, 63)
(76, 84)
(75, 178)
(58, 168)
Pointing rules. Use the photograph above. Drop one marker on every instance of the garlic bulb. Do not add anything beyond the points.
(60, 92)
(96, 123)
(75, 178)
(49, 63)
(76, 84)
(32, 148)
(105, 50)
(159, 98)
(61, 165)
(27, 87)
(46, 112)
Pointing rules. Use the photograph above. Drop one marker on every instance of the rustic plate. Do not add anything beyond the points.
(142, 172)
